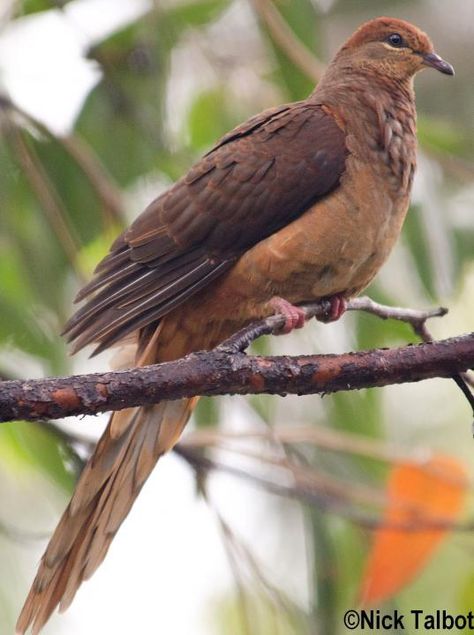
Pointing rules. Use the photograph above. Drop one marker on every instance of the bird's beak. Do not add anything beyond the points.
(437, 62)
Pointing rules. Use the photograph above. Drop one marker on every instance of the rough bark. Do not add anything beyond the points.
(227, 370)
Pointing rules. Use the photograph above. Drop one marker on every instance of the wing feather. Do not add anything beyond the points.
(257, 179)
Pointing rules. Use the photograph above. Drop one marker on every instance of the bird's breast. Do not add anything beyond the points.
(337, 246)
(384, 137)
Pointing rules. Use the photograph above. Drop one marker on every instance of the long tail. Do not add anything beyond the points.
(125, 456)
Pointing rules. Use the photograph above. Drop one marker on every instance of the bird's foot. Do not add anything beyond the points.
(295, 316)
(336, 308)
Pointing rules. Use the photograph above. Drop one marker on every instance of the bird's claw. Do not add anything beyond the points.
(295, 316)
(337, 306)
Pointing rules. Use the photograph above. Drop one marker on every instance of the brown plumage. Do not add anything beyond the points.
(301, 202)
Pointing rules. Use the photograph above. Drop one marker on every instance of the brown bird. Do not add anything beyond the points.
(299, 203)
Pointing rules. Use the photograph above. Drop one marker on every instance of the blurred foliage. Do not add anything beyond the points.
(25, 446)
(146, 121)
(302, 17)
(258, 615)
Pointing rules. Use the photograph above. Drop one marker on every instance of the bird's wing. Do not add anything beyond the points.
(257, 179)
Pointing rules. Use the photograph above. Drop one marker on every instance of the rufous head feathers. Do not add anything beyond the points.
(393, 48)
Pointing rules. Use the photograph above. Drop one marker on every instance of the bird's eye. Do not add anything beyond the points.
(396, 40)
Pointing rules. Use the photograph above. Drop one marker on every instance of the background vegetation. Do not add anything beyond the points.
(172, 81)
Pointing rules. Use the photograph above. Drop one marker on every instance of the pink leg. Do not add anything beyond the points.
(295, 316)
(338, 305)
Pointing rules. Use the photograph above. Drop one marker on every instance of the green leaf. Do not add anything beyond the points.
(325, 572)
(266, 617)
(96, 249)
(303, 20)
(208, 119)
(207, 412)
(359, 412)
(23, 324)
(443, 137)
(35, 6)
(372, 332)
(465, 595)
(416, 238)
(26, 446)
(196, 13)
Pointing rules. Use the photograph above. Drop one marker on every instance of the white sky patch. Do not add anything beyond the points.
(97, 19)
(50, 86)
(43, 68)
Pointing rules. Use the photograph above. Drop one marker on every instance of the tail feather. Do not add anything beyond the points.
(108, 454)
(105, 493)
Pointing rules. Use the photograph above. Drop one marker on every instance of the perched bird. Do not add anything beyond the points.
(299, 203)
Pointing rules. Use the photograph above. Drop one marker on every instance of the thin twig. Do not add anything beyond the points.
(417, 320)
(85, 158)
(321, 309)
(315, 478)
(228, 539)
(305, 486)
(244, 553)
(294, 49)
(239, 552)
(47, 196)
(319, 436)
(301, 492)
(414, 317)
(98, 177)
(73, 440)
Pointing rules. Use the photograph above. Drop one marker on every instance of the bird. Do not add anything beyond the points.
(302, 202)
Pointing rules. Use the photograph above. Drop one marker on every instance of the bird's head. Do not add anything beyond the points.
(392, 48)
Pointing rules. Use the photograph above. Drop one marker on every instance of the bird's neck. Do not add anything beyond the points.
(369, 105)
(379, 118)
(348, 85)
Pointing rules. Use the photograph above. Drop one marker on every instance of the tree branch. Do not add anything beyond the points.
(294, 48)
(228, 370)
